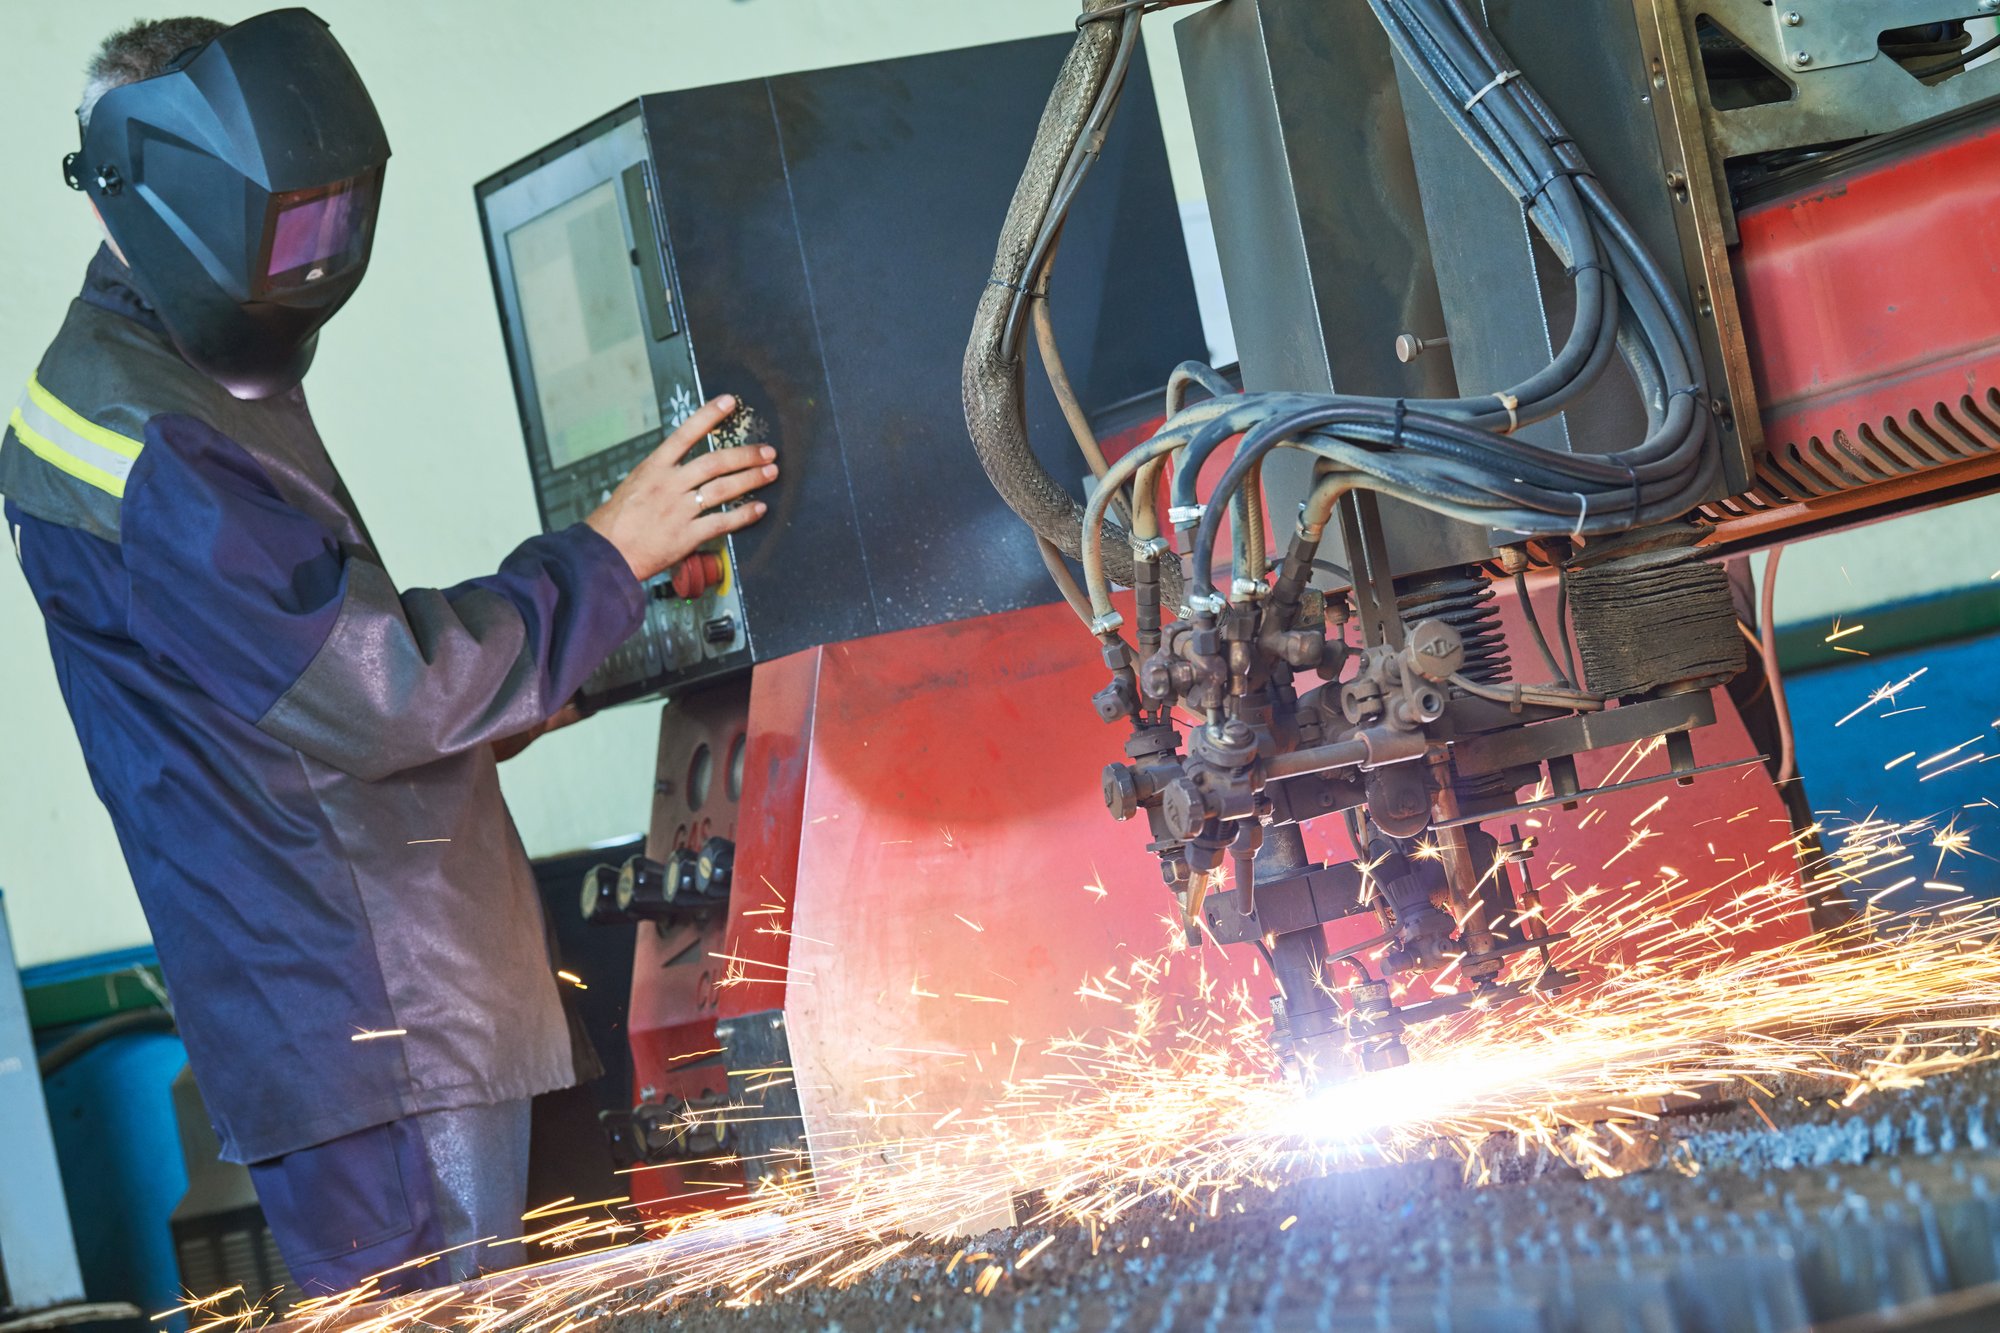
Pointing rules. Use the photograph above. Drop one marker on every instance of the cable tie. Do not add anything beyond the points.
(1575, 269)
(1635, 493)
(1012, 287)
(1528, 200)
(1693, 391)
(1504, 76)
(1582, 513)
(1511, 403)
(1402, 411)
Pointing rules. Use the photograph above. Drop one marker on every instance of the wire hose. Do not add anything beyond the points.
(1767, 647)
(993, 378)
(87, 1039)
(1458, 457)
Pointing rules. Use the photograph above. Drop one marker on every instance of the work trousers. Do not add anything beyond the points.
(425, 1201)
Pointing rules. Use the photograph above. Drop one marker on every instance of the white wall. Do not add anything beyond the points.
(411, 389)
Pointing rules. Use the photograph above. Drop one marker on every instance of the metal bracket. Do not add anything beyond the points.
(1843, 87)
(1502, 750)
(1817, 35)
(1559, 798)
(1321, 894)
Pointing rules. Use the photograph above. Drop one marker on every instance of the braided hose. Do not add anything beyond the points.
(995, 401)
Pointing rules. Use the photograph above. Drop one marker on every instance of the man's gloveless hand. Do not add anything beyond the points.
(665, 507)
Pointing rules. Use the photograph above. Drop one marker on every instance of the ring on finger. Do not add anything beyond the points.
(699, 503)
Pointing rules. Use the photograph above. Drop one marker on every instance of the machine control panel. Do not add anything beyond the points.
(604, 372)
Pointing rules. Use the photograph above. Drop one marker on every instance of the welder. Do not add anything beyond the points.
(300, 758)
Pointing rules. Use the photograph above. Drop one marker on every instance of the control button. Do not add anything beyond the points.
(720, 630)
(697, 574)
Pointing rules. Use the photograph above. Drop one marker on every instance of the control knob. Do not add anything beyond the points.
(600, 897)
(713, 869)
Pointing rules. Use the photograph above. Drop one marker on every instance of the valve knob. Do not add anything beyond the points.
(714, 867)
(600, 897)
(1436, 649)
(646, 888)
(1121, 792)
(1185, 808)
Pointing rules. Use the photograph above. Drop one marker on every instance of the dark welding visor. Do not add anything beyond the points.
(309, 234)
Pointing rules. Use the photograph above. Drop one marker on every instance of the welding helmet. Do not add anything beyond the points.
(241, 185)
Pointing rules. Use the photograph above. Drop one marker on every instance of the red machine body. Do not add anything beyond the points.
(1871, 305)
(926, 879)
(677, 1060)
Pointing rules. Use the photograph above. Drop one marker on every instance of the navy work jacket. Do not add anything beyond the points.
(297, 755)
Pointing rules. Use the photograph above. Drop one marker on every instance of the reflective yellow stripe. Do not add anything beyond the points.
(64, 461)
(101, 436)
(72, 443)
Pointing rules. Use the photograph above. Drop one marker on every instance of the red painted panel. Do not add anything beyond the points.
(675, 997)
(765, 886)
(1878, 295)
(952, 840)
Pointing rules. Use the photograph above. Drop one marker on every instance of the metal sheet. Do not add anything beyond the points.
(38, 1264)
(1318, 224)
(1842, 86)
(830, 232)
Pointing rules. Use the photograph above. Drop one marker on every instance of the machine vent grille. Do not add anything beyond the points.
(1870, 455)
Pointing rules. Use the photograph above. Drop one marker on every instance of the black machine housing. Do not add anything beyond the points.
(808, 242)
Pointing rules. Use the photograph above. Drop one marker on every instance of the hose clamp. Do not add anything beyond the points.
(1182, 515)
(1108, 623)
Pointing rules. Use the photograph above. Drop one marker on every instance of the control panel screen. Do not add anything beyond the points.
(587, 347)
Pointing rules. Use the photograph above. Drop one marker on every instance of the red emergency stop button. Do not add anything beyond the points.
(697, 574)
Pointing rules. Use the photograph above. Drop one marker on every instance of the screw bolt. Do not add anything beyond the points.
(1793, 18)
(1802, 58)
(1409, 346)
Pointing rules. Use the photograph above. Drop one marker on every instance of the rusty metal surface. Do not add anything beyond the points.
(1847, 1221)
(1806, 1216)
